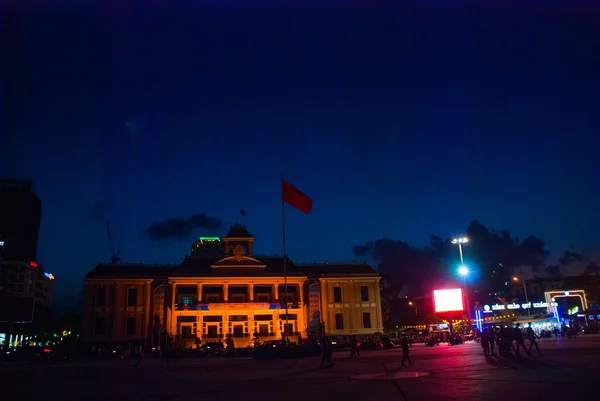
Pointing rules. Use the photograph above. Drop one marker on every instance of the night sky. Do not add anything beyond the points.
(398, 123)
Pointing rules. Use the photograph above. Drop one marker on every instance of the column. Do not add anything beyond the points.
(226, 292)
(173, 323)
(199, 293)
(324, 289)
(147, 326)
(379, 308)
(276, 291)
(251, 292)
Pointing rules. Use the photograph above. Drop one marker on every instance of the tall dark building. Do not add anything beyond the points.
(20, 215)
(208, 247)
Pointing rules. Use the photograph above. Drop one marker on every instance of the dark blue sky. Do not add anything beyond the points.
(398, 123)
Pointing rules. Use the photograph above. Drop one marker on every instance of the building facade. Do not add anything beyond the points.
(27, 279)
(20, 216)
(237, 294)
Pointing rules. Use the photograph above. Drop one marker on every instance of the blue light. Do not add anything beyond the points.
(555, 312)
(478, 320)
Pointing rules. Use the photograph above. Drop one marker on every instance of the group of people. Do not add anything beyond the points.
(138, 353)
(509, 340)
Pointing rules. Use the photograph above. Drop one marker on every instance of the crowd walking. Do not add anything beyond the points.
(509, 341)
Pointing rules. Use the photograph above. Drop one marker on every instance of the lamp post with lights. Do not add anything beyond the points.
(464, 271)
(414, 304)
(516, 279)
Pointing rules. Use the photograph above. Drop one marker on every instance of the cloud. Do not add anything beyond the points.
(179, 228)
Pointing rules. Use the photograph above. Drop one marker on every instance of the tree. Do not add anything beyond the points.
(492, 255)
(405, 270)
(569, 257)
(554, 271)
(592, 269)
(496, 254)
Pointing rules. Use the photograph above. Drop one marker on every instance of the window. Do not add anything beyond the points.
(131, 326)
(101, 297)
(99, 326)
(337, 294)
(186, 330)
(366, 320)
(263, 298)
(132, 296)
(263, 330)
(339, 321)
(364, 293)
(212, 299)
(238, 298)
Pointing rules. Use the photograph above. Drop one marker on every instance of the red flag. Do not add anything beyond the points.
(294, 197)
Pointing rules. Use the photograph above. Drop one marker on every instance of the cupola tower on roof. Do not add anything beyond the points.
(238, 235)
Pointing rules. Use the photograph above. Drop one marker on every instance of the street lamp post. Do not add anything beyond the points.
(410, 303)
(463, 271)
(516, 279)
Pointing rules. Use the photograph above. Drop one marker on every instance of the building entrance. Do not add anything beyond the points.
(212, 331)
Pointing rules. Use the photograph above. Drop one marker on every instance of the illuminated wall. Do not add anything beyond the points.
(351, 306)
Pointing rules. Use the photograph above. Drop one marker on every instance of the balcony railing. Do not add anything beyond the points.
(236, 305)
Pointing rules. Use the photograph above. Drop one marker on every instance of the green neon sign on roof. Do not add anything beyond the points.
(210, 239)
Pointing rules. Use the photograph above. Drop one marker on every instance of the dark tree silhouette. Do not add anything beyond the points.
(569, 257)
(412, 271)
(554, 271)
(405, 271)
(592, 269)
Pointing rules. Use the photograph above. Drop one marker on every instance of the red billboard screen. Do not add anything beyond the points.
(448, 300)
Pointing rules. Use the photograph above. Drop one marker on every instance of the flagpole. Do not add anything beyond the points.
(284, 265)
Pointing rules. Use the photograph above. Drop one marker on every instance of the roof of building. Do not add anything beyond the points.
(130, 270)
(247, 266)
(229, 267)
(338, 269)
(238, 231)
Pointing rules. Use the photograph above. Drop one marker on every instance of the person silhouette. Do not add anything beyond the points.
(532, 337)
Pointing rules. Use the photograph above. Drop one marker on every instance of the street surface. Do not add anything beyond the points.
(569, 369)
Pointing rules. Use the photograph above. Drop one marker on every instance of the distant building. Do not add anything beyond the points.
(208, 247)
(25, 289)
(20, 215)
(22, 279)
(235, 293)
(25, 299)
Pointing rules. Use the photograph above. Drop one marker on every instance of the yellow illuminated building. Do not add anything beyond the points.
(206, 299)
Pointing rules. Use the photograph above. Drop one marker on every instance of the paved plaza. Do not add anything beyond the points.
(568, 368)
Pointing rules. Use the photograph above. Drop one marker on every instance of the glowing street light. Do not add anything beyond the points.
(463, 271)
(460, 242)
(411, 303)
(516, 280)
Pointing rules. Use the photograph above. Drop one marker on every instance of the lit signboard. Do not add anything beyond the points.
(49, 276)
(448, 300)
(33, 264)
(513, 306)
(211, 239)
